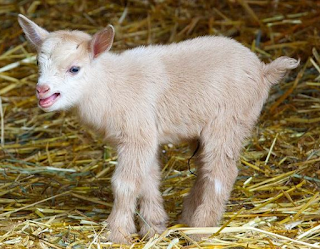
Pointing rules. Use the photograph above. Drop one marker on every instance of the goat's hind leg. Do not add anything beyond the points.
(193, 199)
(221, 145)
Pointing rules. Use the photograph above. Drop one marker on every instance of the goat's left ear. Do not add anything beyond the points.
(102, 41)
(33, 32)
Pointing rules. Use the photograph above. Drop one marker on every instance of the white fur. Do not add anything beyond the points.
(218, 187)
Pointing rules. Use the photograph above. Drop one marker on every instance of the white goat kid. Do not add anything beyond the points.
(208, 89)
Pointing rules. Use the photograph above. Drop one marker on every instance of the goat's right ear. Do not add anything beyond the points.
(101, 41)
(33, 32)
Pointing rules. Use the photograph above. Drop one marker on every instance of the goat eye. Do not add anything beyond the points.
(37, 63)
(74, 70)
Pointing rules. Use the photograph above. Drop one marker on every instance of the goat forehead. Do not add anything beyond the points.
(62, 52)
(52, 47)
(64, 42)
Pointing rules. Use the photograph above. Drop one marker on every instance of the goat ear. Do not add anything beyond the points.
(33, 32)
(102, 41)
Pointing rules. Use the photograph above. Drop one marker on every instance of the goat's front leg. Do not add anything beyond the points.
(153, 218)
(135, 155)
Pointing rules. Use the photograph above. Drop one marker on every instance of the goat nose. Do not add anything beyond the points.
(42, 88)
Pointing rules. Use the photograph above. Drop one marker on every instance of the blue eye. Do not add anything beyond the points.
(74, 70)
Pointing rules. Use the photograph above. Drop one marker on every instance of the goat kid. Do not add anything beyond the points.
(208, 89)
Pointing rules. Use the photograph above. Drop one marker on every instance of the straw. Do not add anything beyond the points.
(55, 175)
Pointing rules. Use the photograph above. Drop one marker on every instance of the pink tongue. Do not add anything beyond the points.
(49, 99)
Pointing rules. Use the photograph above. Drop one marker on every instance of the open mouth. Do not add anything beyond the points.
(47, 102)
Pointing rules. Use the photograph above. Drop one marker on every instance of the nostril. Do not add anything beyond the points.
(42, 88)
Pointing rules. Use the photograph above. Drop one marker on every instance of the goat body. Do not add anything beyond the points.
(208, 89)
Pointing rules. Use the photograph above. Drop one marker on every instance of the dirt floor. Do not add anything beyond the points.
(55, 175)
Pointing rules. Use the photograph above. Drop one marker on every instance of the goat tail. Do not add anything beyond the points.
(276, 70)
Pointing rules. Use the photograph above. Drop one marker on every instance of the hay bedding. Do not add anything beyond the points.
(55, 176)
